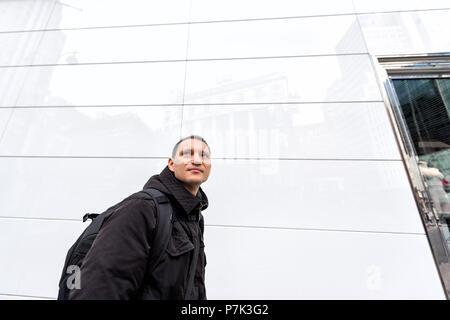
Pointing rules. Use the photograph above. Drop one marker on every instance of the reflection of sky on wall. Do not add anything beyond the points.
(153, 83)
(406, 32)
(28, 14)
(87, 13)
(152, 117)
(114, 44)
(306, 79)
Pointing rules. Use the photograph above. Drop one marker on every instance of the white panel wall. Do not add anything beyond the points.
(304, 79)
(103, 84)
(328, 188)
(287, 264)
(18, 48)
(398, 5)
(307, 178)
(33, 267)
(88, 184)
(216, 10)
(4, 118)
(107, 13)
(160, 42)
(92, 131)
(25, 14)
(409, 32)
(261, 38)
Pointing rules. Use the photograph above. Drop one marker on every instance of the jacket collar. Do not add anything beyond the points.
(176, 189)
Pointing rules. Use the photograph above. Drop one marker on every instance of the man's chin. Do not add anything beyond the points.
(194, 181)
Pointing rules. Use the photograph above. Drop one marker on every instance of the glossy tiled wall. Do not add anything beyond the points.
(308, 194)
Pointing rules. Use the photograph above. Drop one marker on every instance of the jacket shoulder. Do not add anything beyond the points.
(136, 208)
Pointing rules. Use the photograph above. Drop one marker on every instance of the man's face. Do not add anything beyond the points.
(192, 162)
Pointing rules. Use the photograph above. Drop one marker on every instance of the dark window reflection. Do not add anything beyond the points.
(425, 104)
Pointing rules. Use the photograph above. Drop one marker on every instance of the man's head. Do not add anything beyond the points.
(191, 162)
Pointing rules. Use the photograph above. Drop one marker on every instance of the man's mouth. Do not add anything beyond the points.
(195, 170)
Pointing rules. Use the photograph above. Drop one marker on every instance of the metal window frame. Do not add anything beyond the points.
(418, 66)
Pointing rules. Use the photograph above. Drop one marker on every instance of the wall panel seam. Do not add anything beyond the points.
(25, 296)
(228, 20)
(56, 220)
(195, 104)
(7, 156)
(363, 53)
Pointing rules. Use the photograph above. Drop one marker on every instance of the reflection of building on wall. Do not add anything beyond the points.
(14, 50)
(272, 85)
(393, 30)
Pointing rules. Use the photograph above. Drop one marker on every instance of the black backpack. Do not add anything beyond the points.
(80, 248)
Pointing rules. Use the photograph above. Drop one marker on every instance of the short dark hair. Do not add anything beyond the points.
(196, 137)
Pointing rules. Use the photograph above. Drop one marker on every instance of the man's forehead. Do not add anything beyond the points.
(193, 144)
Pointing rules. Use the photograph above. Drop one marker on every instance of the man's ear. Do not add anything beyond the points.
(170, 164)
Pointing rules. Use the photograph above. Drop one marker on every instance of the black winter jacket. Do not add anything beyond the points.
(115, 266)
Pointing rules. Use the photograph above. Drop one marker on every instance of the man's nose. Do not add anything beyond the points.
(197, 159)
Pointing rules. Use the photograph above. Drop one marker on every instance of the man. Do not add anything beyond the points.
(115, 266)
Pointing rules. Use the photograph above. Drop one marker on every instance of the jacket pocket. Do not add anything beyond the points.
(178, 246)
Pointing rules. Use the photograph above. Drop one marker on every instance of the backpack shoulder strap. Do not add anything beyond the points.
(162, 235)
(163, 227)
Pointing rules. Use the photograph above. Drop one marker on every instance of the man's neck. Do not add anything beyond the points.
(192, 189)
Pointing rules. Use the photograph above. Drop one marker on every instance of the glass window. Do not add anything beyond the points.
(424, 109)
(425, 105)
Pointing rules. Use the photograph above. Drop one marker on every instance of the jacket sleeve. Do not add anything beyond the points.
(115, 266)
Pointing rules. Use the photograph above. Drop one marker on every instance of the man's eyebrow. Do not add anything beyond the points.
(191, 149)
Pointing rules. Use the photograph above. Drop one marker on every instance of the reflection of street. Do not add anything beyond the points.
(435, 182)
